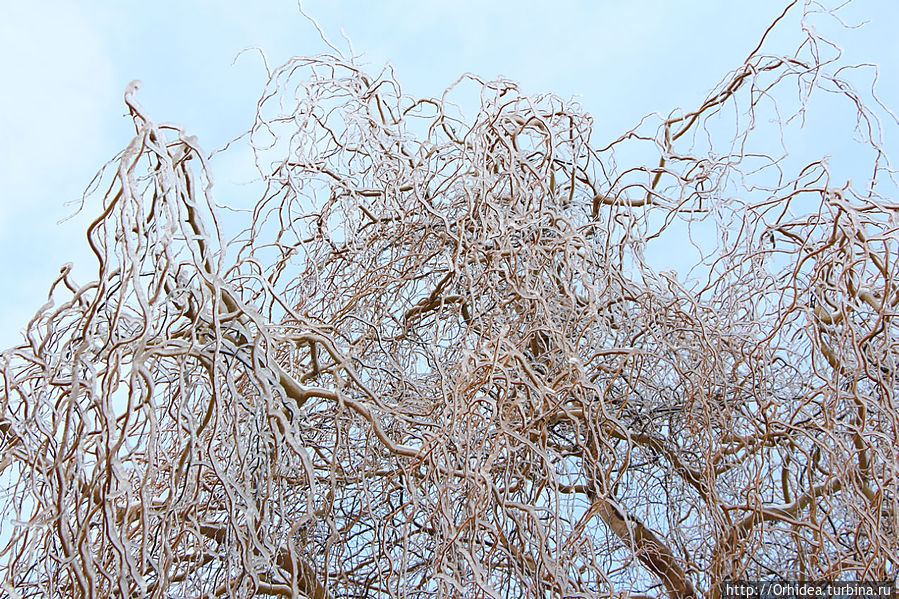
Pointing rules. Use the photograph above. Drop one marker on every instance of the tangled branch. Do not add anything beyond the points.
(438, 361)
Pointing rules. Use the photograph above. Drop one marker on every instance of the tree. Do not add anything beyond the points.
(437, 361)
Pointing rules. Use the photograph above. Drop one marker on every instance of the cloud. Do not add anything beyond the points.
(55, 69)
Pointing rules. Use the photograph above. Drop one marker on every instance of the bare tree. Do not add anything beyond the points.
(437, 361)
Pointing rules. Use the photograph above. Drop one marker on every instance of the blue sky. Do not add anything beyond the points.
(65, 65)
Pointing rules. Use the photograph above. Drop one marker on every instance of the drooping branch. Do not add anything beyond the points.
(442, 345)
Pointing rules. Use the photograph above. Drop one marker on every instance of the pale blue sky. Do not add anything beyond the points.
(65, 65)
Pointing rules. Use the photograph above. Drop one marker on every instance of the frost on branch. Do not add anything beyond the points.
(440, 360)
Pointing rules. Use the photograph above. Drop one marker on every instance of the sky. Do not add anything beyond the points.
(65, 65)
